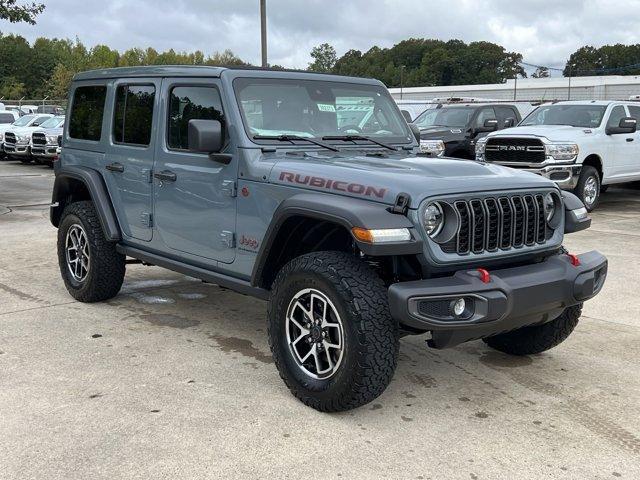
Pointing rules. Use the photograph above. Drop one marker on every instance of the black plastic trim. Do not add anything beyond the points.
(97, 190)
(571, 223)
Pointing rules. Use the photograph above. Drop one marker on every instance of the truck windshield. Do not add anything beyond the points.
(457, 117)
(584, 116)
(317, 109)
(53, 122)
(23, 121)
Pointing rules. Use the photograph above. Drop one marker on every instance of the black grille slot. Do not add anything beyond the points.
(39, 138)
(9, 137)
(489, 224)
(517, 150)
(434, 308)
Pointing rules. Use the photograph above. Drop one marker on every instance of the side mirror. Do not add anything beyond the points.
(415, 129)
(406, 115)
(204, 136)
(509, 122)
(626, 125)
(490, 125)
(35, 124)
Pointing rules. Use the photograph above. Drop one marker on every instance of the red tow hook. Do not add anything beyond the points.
(484, 275)
(575, 261)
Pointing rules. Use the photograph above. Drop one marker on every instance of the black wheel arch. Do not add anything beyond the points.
(330, 218)
(77, 183)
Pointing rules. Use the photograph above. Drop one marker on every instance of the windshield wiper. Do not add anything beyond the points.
(293, 139)
(353, 139)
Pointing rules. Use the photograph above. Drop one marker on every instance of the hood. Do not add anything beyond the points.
(555, 133)
(50, 131)
(23, 130)
(441, 133)
(382, 178)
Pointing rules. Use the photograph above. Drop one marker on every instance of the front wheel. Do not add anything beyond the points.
(25, 160)
(332, 336)
(537, 338)
(588, 188)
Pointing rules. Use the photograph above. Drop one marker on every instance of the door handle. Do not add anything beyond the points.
(629, 139)
(115, 167)
(165, 176)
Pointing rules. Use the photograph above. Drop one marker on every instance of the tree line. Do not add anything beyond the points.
(46, 67)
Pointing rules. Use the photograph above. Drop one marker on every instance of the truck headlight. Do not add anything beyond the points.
(480, 145)
(433, 219)
(23, 138)
(435, 148)
(560, 151)
(52, 139)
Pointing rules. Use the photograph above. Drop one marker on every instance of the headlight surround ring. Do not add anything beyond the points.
(432, 219)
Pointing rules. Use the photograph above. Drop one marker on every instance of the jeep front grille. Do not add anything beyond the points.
(10, 137)
(498, 223)
(514, 150)
(39, 138)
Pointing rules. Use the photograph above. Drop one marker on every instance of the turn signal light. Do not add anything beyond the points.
(384, 235)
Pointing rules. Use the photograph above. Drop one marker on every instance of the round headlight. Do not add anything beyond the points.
(433, 219)
(549, 206)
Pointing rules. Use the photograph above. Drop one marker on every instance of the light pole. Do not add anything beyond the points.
(402, 67)
(263, 31)
(571, 65)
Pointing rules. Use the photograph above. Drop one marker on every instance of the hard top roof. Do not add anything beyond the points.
(208, 71)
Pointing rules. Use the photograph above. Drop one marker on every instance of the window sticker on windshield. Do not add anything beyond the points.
(326, 107)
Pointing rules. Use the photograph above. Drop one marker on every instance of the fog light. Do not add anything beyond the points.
(459, 307)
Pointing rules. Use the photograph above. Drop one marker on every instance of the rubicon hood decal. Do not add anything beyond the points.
(332, 184)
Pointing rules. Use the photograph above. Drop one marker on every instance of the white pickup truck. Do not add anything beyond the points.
(583, 146)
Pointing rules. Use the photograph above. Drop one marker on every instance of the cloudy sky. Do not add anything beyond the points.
(544, 31)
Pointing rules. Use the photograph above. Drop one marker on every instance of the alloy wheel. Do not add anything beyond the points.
(77, 252)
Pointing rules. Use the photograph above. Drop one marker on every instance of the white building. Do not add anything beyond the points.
(612, 87)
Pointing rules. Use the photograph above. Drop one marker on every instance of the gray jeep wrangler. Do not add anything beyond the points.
(308, 191)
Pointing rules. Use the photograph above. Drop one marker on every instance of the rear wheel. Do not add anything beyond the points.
(332, 336)
(537, 338)
(588, 188)
(91, 267)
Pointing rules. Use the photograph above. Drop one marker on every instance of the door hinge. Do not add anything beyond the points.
(147, 219)
(228, 239)
(147, 174)
(229, 188)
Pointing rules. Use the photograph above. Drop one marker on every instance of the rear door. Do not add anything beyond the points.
(195, 208)
(130, 152)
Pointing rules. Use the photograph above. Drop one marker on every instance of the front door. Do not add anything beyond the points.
(130, 152)
(618, 147)
(194, 204)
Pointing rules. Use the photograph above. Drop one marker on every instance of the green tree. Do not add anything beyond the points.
(608, 59)
(324, 58)
(541, 72)
(60, 81)
(10, 10)
(11, 88)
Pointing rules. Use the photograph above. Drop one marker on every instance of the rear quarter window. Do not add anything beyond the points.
(85, 122)
(6, 118)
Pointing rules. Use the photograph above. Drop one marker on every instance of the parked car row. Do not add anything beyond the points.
(22, 110)
(34, 137)
(584, 146)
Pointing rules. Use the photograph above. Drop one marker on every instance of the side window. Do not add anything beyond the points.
(188, 103)
(86, 113)
(133, 114)
(484, 115)
(634, 111)
(617, 114)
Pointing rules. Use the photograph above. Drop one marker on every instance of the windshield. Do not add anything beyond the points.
(585, 116)
(316, 109)
(445, 117)
(23, 121)
(53, 122)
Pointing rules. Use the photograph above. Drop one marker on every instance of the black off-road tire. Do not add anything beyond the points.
(588, 172)
(537, 338)
(371, 339)
(107, 266)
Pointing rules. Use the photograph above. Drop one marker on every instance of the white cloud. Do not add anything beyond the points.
(544, 31)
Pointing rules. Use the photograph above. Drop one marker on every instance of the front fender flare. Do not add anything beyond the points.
(94, 183)
(345, 211)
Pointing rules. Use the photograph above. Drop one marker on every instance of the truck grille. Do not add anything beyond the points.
(38, 138)
(499, 223)
(10, 137)
(517, 150)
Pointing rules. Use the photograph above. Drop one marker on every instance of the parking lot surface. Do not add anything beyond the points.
(173, 379)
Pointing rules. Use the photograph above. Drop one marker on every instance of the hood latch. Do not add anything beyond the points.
(401, 205)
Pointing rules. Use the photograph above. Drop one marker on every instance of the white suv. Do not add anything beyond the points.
(582, 145)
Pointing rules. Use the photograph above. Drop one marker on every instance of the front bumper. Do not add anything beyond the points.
(44, 151)
(565, 176)
(513, 298)
(16, 149)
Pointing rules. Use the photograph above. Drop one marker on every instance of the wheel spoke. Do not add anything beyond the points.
(326, 352)
(316, 357)
(328, 345)
(297, 324)
(300, 337)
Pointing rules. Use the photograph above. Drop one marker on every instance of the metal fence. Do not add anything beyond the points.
(31, 102)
